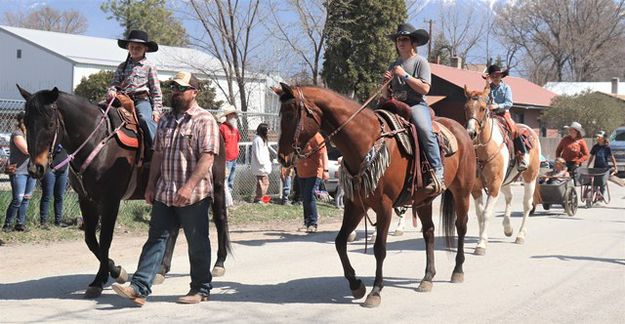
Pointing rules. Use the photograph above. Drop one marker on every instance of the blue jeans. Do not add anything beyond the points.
(231, 168)
(427, 139)
(22, 186)
(53, 183)
(308, 186)
(194, 221)
(286, 189)
(148, 125)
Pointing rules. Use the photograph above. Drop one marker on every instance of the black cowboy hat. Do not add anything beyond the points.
(495, 69)
(138, 36)
(418, 36)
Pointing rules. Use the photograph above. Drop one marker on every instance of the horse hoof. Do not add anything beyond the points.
(351, 237)
(123, 276)
(480, 251)
(373, 300)
(399, 232)
(359, 292)
(508, 234)
(519, 240)
(93, 292)
(425, 286)
(218, 271)
(158, 279)
(457, 277)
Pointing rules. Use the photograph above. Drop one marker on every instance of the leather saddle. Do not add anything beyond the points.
(396, 114)
(124, 121)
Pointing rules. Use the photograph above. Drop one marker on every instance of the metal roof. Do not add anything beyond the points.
(524, 92)
(575, 88)
(90, 50)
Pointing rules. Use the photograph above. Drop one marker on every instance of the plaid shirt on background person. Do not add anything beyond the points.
(182, 142)
(138, 77)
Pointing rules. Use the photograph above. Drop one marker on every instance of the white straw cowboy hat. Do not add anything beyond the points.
(228, 109)
(578, 127)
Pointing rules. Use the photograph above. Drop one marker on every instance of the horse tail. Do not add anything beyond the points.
(449, 217)
(220, 212)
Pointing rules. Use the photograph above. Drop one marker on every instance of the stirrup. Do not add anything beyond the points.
(436, 185)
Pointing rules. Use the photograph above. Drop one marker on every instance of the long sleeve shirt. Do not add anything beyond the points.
(138, 77)
(261, 160)
(573, 150)
(501, 96)
(314, 165)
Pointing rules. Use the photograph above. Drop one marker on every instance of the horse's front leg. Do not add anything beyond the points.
(351, 218)
(384, 216)
(507, 228)
(425, 214)
(91, 216)
(109, 208)
(488, 213)
(528, 199)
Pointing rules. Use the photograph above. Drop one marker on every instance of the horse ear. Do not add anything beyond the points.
(287, 90)
(23, 92)
(277, 90)
(53, 95)
(466, 91)
(486, 88)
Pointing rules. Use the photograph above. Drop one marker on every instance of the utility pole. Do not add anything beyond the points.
(430, 42)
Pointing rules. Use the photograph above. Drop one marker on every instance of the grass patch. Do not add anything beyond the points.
(134, 216)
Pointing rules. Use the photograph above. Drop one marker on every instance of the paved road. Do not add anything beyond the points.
(571, 269)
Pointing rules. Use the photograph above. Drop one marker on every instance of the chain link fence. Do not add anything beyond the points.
(244, 185)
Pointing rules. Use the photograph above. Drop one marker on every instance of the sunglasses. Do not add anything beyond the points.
(180, 88)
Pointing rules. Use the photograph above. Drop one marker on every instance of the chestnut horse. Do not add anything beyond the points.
(306, 110)
(56, 117)
(495, 171)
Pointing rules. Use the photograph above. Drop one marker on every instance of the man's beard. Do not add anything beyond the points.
(179, 104)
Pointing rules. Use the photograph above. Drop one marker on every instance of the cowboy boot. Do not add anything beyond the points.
(523, 157)
(436, 184)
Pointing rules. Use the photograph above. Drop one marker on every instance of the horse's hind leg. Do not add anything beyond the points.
(425, 214)
(507, 228)
(220, 218)
(461, 203)
(351, 218)
(528, 199)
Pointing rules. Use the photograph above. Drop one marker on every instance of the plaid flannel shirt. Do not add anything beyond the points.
(137, 77)
(182, 142)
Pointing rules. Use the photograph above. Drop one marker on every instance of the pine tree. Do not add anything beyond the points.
(151, 16)
(357, 49)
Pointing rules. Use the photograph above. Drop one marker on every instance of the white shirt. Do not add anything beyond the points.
(261, 161)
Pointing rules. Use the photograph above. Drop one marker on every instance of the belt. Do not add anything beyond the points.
(141, 95)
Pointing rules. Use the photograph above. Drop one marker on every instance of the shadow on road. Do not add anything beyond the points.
(580, 258)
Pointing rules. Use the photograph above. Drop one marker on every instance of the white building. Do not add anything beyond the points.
(37, 59)
(614, 87)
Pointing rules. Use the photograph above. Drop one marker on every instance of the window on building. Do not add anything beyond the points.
(19, 53)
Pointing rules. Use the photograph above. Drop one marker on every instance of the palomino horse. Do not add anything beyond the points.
(57, 117)
(495, 171)
(377, 185)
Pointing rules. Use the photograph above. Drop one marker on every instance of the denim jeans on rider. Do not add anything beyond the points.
(54, 184)
(22, 186)
(231, 168)
(194, 221)
(427, 138)
(308, 186)
(147, 123)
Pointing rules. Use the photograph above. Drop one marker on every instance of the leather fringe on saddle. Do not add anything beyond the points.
(371, 170)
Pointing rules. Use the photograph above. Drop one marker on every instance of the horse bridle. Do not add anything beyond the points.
(486, 115)
(302, 106)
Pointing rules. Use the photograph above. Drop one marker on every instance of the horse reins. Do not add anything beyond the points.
(302, 105)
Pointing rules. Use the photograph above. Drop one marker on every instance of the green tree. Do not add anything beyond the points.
(205, 97)
(151, 16)
(94, 87)
(357, 49)
(595, 111)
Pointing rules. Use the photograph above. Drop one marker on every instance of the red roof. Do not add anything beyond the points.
(524, 92)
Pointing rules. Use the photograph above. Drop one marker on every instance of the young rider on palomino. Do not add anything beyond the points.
(500, 102)
(411, 80)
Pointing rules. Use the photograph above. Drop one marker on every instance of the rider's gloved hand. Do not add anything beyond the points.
(110, 94)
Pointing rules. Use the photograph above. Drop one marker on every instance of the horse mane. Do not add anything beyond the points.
(38, 101)
(346, 101)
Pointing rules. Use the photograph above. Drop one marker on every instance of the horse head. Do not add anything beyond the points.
(299, 122)
(42, 128)
(476, 109)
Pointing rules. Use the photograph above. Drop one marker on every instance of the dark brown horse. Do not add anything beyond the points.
(56, 117)
(306, 110)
